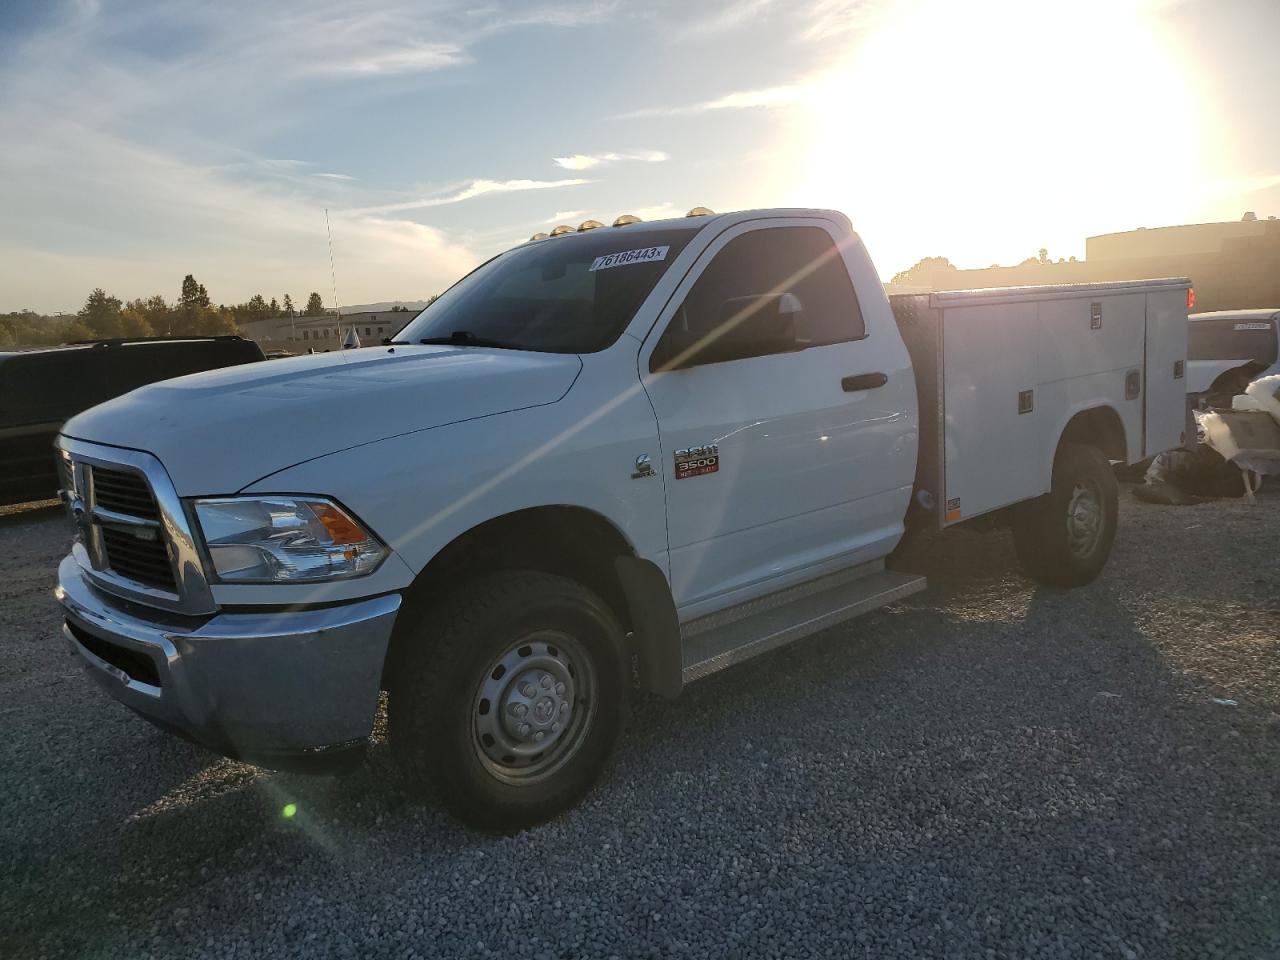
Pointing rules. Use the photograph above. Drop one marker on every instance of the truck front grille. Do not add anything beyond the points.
(141, 555)
(135, 541)
(124, 492)
(146, 561)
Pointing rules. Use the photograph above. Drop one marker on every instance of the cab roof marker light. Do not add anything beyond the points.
(589, 225)
(537, 236)
(701, 212)
(625, 220)
(561, 230)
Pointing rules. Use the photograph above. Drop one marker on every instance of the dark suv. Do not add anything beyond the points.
(40, 389)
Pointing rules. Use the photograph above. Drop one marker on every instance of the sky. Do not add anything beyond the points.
(147, 140)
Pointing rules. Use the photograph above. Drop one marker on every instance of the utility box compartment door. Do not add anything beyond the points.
(1089, 335)
(991, 423)
(1165, 393)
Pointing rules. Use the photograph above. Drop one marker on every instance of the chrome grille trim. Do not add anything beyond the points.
(191, 594)
(132, 511)
(112, 518)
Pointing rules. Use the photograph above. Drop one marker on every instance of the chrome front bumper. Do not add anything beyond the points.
(277, 688)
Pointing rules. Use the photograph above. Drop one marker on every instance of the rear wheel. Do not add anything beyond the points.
(510, 698)
(1064, 538)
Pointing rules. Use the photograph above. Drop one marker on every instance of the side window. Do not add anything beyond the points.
(774, 290)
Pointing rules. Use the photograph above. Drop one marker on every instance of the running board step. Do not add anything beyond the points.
(722, 639)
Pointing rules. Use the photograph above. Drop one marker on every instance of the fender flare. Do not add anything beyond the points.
(1086, 407)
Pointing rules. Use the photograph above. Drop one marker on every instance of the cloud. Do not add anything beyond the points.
(826, 19)
(767, 97)
(576, 14)
(764, 98)
(135, 220)
(252, 45)
(277, 168)
(564, 216)
(731, 16)
(476, 188)
(393, 39)
(140, 162)
(809, 26)
(585, 161)
(413, 58)
(661, 211)
(142, 159)
(580, 161)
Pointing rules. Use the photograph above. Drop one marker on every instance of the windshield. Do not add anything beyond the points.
(1232, 338)
(572, 294)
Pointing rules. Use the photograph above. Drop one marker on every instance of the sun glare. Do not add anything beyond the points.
(983, 131)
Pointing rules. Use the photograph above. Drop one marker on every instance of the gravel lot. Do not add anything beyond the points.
(990, 770)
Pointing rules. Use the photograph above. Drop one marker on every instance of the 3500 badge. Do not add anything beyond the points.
(696, 461)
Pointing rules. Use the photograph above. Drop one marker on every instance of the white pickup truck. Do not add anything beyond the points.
(611, 458)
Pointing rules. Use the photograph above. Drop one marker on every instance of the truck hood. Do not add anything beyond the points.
(217, 432)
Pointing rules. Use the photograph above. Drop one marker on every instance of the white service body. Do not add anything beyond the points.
(1008, 369)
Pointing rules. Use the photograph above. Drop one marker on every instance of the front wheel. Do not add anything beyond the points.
(1064, 538)
(510, 697)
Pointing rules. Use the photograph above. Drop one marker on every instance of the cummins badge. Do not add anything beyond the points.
(695, 461)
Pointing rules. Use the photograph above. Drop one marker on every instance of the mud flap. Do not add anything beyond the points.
(655, 625)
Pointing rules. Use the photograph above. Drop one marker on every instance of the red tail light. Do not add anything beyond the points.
(1191, 297)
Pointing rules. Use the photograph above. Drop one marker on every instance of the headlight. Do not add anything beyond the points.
(285, 540)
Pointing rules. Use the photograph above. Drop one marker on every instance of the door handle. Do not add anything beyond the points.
(863, 381)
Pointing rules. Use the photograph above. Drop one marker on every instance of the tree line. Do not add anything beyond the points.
(104, 316)
(922, 271)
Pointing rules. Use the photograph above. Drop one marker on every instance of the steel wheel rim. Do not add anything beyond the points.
(1084, 518)
(533, 707)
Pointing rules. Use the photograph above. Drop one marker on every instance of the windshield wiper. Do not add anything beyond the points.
(464, 338)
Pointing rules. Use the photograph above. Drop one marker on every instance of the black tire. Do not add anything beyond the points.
(439, 708)
(1047, 532)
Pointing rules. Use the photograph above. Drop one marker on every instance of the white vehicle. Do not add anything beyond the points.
(628, 454)
(1228, 349)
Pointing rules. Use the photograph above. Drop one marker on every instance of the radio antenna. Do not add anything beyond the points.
(333, 273)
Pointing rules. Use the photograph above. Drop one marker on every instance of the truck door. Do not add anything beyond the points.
(777, 450)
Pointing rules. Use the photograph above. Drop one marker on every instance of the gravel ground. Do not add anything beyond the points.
(990, 770)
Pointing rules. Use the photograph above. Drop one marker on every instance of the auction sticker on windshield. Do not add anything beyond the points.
(628, 257)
